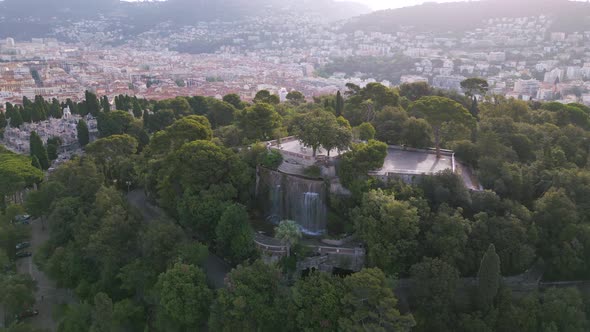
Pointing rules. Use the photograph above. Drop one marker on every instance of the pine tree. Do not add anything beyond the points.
(38, 150)
(83, 134)
(488, 278)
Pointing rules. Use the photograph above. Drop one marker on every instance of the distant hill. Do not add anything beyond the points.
(179, 10)
(461, 16)
(45, 8)
(137, 17)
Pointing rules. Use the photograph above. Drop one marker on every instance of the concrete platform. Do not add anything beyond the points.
(295, 147)
(414, 162)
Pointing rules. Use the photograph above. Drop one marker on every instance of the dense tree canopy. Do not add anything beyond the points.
(380, 213)
(369, 303)
(234, 236)
(322, 129)
(259, 122)
(38, 150)
(438, 111)
(16, 173)
(184, 297)
(254, 299)
(132, 271)
(361, 159)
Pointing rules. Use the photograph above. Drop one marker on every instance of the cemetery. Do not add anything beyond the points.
(17, 139)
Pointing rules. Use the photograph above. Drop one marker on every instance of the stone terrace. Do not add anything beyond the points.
(415, 162)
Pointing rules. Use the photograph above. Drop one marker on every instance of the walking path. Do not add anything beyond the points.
(48, 294)
(271, 245)
(469, 178)
(215, 267)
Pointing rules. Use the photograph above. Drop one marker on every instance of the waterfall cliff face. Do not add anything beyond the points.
(282, 196)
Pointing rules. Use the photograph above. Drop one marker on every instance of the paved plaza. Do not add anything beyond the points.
(296, 147)
(415, 162)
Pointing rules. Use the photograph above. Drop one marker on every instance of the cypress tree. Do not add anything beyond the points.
(106, 105)
(15, 117)
(474, 108)
(37, 114)
(26, 113)
(136, 109)
(125, 103)
(73, 106)
(55, 110)
(35, 162)
(42, 107)
(92, 104)
(9, 107)
(3, 121)
(83, 134)
(117, 103)
(8, 111)
(27, 102)
(82, 109)
(53, 145)
(146, 120)
(488, 278)
(38, 150)
(339, 104)
(52, 152)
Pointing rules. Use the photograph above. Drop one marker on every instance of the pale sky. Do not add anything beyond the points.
(384, 4)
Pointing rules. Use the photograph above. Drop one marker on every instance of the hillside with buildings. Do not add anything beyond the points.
(259, 165)
(457, 17)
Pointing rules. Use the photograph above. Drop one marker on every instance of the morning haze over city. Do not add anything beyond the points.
(304, 165)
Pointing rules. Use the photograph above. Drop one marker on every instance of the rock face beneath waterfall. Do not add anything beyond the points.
(282, 196)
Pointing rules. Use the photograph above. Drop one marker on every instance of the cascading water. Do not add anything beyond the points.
(312, 212)
(284, 196)
(276, 208)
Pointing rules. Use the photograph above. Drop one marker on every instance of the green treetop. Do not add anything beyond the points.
(83, 134)
(38, 150)
(439, 111)
(488, 277)
(289, 233)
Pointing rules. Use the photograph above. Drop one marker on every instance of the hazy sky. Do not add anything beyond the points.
(384, 4)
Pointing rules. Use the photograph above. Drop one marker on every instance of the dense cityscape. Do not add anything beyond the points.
(520, 58)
